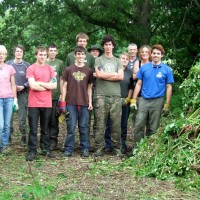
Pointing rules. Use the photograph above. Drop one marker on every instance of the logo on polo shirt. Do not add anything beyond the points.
(159, 75)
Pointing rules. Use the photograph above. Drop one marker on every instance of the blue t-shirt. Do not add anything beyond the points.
(154, 80)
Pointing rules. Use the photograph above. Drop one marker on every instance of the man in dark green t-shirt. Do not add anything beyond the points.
(81, 40)
(57, 65)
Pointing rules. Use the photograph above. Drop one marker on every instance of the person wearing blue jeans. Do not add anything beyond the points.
(126, 92)
(6, 110)
(80, 114)
(8, 99)
(77, 89)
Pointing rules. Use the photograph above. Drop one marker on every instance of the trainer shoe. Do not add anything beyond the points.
(31, 156)
(85, 153)
(99, 152)
(48, 154)
(66, 154)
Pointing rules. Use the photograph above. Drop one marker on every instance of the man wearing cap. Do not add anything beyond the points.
(95, 51)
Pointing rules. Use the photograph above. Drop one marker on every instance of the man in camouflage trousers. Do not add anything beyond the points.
(109, 73)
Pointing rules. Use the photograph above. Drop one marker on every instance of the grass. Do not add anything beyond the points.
(77, 178)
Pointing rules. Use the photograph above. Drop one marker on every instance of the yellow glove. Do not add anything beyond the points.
(61, 117)
(133, 104)
(126, 101)
(165, 110)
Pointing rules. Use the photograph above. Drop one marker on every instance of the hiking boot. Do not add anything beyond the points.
(123, 150)
(53, 148)
(99, 152)
(31, 156)
(117, 152)
(48, 154)
(23, 140)
(108, 149)
(91, 149)
(85, 153)
(67, 154)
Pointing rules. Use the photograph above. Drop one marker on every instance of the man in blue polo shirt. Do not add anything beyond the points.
(154, 81)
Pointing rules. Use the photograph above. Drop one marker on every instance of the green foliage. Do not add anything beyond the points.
(37, 191)
(190, 88)
(174, 151)
(174, 24)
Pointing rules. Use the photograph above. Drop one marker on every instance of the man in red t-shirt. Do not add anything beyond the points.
(77, 89)
(42, 80)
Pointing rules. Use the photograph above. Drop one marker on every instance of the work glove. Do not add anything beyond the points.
(165, 110)
(15, 105)
(126, 101)
(63, 116)
(133, 104)
(62, 106)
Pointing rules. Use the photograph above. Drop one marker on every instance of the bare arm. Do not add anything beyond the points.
(135, 69)
(168, 94)
(89, 91)
(61, 84)
(104, 75)
(64, 91)
(130, 93)
(35, 85)
(13, 86)
(110, 76)
(137, 89)
(51, 85)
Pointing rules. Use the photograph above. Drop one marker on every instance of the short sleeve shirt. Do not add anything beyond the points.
(154, 80)
(58, 68)
(5, 85)
(78, 79)
(44, 73)
(104, 87)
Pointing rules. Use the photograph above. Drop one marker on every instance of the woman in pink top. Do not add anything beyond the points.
(8, 99)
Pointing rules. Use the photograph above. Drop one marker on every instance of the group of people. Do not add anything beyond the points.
(92, 82)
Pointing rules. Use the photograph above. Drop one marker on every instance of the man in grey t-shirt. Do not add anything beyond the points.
(109, 73)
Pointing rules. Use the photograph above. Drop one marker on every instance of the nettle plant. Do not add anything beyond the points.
(191, 89)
